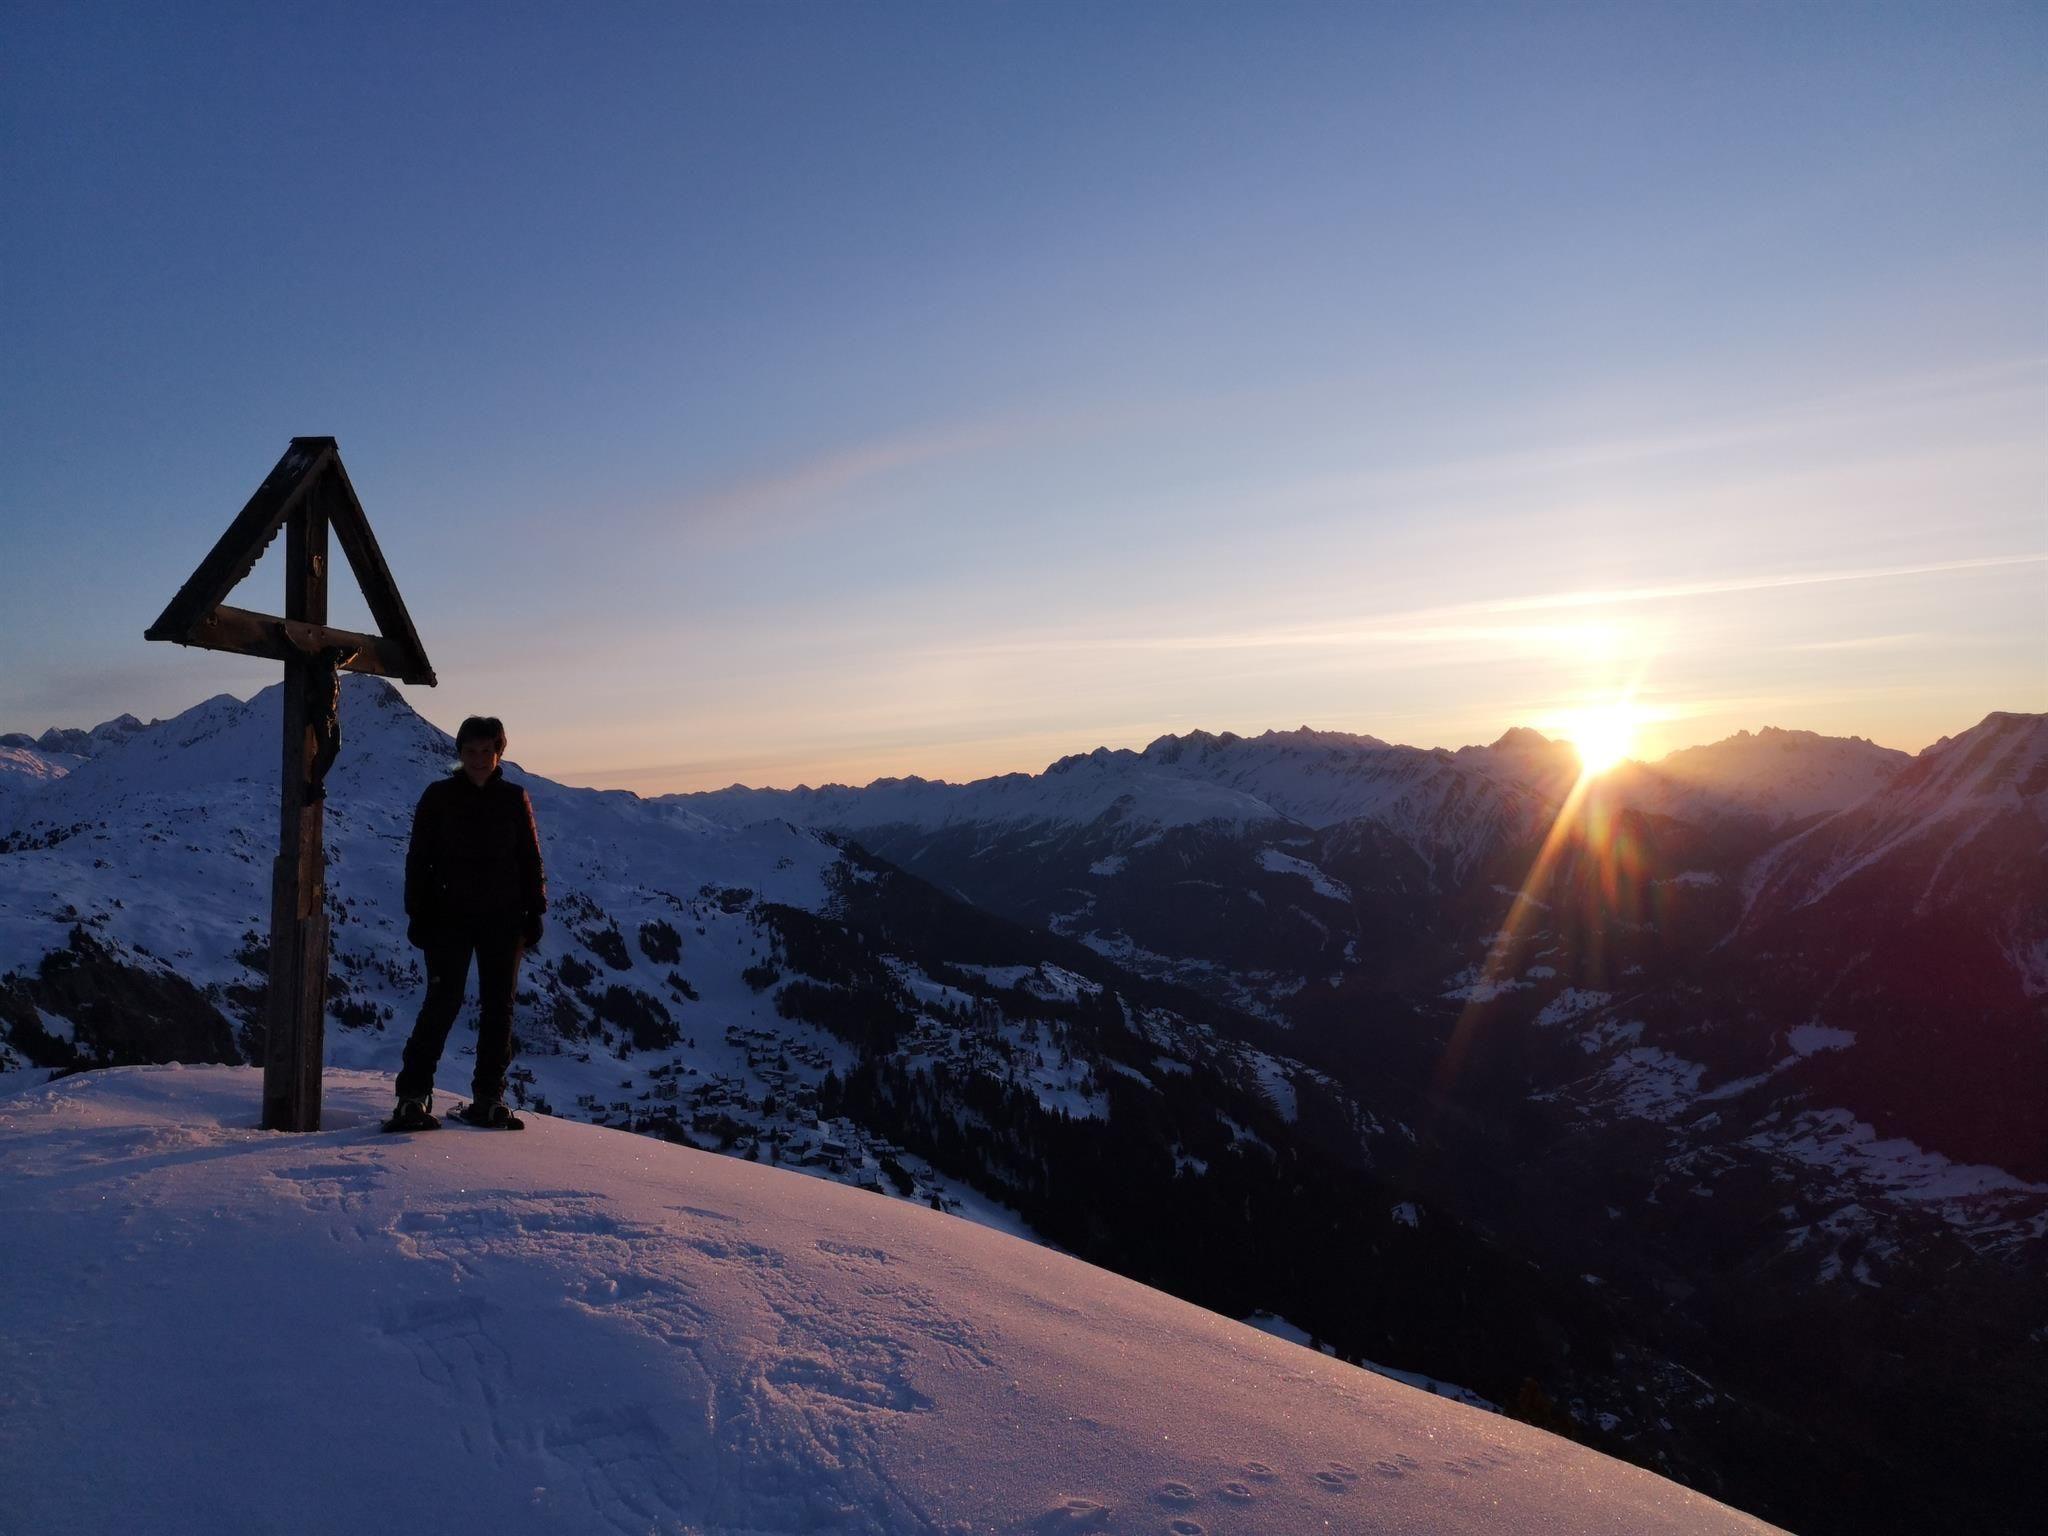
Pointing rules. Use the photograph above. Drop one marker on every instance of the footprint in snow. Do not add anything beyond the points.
(1260, 1472)
(852, 1251)
(1185, 1528)
(1071, 1516)
(1239, 1493)
(1172, 1492)
(313, 1173)
(700, 1212)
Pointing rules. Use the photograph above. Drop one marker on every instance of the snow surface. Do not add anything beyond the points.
(1273, 860)
(1970, 1195)
(1277, 1079)
(1778, 775)
(1280, 1328)
(1989, 782)
(26, 770)
(1845, 1157)
(216, 1329)
(1811, 1039)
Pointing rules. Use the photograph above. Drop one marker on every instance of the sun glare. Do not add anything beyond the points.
(1603, 735)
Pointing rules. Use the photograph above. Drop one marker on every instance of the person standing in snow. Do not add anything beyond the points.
(474, 890)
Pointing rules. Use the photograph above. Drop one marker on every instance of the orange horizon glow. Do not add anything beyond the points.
(1604, 735)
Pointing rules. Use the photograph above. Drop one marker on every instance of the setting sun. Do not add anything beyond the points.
(1603, 735)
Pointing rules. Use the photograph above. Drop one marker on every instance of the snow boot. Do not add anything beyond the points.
(413, 1115)
(490, 1117)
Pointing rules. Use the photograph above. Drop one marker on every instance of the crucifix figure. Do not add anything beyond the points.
(306, 495)
(323, 714)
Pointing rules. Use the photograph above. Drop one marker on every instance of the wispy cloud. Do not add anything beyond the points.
(805, 486)
(1465, 623)
(810, 487)
(1917, 640)
(1598, 597)
(1790, 420)
(814, 487)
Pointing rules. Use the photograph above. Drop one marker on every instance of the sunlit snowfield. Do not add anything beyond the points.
(211, 1328)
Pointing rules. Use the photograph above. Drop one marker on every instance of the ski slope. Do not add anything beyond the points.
(216, 1329)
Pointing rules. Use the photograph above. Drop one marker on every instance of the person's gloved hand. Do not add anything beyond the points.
(530, 934)
(416, 933)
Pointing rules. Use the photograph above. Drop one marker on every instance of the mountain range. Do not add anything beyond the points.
(1693, 1111)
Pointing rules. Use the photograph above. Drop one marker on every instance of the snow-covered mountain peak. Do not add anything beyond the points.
(29, 764)
(1309, 736)
(1196, 748)
(25, 772)
(1525, 757)
(1774, 774)
(1453, 807)
(1098, 759)
(1984, 790)
(2003, 759)
(1116, 786)
(1449, 805)
(228, 740)
(72, 742)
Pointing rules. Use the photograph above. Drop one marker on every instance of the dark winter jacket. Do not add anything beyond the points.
(475, 855)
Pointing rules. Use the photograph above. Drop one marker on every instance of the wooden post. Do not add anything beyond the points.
(304, 495)
(296, 1008)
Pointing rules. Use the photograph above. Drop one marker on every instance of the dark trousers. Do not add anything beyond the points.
(496, 949)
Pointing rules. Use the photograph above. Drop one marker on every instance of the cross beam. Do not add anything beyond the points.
(304, 496)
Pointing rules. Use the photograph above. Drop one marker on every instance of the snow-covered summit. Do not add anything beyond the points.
(1454, 808)
(30, 764)
(1449, 806)
(1197, 745)
(28, 770)
(1116, 787)
(1777, 775)
(2001, 762)
(72, 742)
(228, 740)
(1972, 808)
(575, 1329)
(1523, 738)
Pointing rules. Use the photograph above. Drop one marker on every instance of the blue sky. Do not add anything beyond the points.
(802, 392)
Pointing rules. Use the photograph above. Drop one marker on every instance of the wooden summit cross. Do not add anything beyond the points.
(308, 493)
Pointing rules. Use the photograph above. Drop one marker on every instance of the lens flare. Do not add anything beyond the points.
(1604, 735)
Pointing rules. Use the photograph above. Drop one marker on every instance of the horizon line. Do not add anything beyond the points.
(1363, 737)
(590, 778)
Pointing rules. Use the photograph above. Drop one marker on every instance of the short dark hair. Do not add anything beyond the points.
(482, 728)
